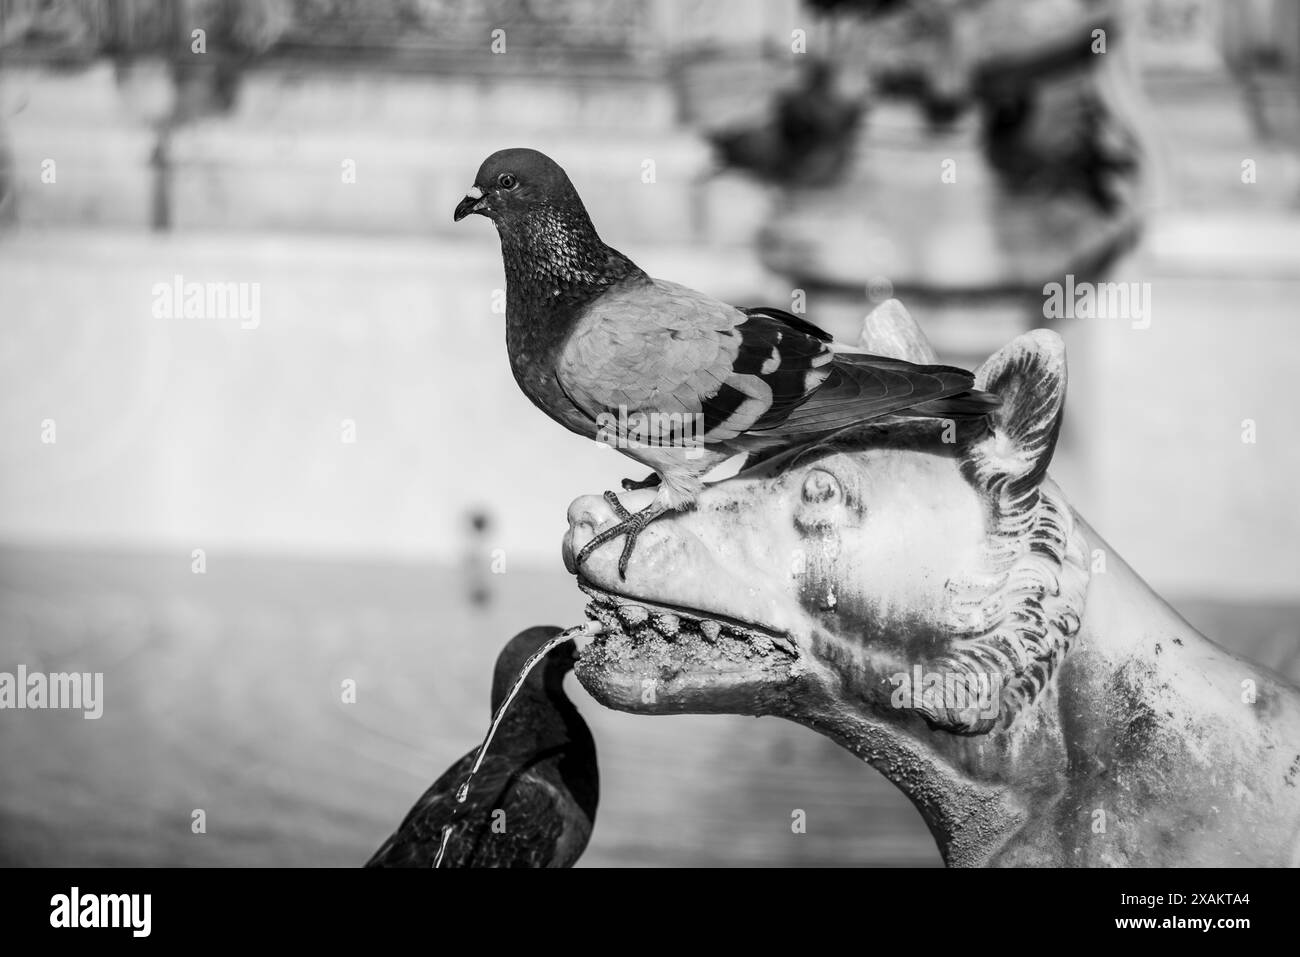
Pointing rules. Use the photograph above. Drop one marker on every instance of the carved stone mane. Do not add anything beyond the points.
(1018, 618)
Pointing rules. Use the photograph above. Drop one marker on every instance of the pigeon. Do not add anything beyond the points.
(673, 378)
(533, 800)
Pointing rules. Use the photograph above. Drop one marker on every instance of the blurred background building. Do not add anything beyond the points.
(367, 494)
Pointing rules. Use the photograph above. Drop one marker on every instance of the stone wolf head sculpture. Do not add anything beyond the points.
(922, 592)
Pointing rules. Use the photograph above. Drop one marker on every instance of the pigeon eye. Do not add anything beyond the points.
(507, 181)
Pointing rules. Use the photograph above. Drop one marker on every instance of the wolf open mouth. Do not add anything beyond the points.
(652, 638)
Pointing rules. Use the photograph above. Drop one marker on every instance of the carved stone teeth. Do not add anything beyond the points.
(667, 624)
(632, 615)
(640, 623)
(786, 645)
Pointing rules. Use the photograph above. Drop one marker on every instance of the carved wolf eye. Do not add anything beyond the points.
(507, 181)
(820, 486)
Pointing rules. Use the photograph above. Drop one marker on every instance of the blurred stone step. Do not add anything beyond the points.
(276, 160)
(235, 176)
(95, 132)
(1201, 132)
(449, 105)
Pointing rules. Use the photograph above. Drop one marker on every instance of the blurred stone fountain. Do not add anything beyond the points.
(981, 151)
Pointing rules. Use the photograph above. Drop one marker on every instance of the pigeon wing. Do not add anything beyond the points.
(657, 347)
(760, 373)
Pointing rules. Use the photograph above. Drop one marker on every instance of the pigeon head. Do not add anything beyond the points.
(513, 183)
(555, 262)
(547, 677)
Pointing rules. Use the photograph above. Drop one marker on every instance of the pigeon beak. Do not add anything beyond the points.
(472, 203)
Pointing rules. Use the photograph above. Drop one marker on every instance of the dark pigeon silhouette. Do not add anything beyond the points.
(533, 800)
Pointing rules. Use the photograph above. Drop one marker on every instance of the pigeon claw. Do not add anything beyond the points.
(612, 501)
(629, 524)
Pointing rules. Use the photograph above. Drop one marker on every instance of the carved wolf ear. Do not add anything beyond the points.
(1028, 374)
(891, 331)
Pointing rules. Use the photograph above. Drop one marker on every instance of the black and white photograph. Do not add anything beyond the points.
(667, 434)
